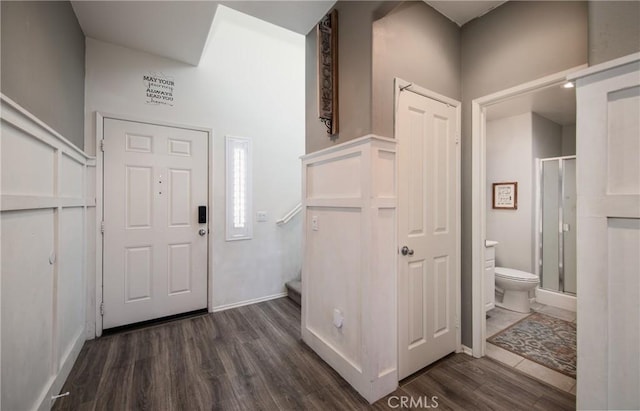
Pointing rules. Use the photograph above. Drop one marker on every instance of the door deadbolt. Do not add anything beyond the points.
(406, 250)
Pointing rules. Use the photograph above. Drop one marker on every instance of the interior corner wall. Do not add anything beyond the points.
(569, 140)
(614, 30)
(229, 95)
(355, 19)
(517, 42)
(509, 158)
(546, 137)
(418, 44)
(42, 55)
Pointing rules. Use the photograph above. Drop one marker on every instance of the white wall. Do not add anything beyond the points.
(250, 83)
(43, 218)
(355, 224)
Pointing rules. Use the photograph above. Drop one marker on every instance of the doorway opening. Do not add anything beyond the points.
(523, 98)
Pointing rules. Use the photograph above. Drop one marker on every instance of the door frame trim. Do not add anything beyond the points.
(479, 193)
(99, 179)
(399, 86)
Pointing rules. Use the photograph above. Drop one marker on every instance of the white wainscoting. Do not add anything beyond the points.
(46, 196)
(349, 267)
(608, 227)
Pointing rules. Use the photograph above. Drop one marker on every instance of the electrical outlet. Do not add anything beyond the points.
(314, 223)
(261, 216)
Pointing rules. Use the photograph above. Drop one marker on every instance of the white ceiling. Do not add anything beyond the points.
(554, 103)
(179, 29)
(299, 16)
(461, 12)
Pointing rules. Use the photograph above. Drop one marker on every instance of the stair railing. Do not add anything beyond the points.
(287, 217)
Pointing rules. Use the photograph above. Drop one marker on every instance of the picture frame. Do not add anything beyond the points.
(327, 56)
(505, 196)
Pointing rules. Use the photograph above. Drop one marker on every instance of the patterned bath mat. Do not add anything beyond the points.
(546, 340)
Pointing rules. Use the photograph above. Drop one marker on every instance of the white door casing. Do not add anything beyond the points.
(429, 226)
(154, 257)
(478, 194)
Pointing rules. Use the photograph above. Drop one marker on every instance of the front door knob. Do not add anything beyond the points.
(406, 250)
(202, 232)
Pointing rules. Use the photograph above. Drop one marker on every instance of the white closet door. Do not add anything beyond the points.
(428, 228)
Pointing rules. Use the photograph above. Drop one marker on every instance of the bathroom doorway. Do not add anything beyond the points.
(513, 131)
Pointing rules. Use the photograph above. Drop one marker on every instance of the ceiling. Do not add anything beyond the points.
(555, 103)
(179, 29)
(461, 12)
(299, 16)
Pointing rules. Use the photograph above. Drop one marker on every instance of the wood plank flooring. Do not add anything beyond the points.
(252, 358)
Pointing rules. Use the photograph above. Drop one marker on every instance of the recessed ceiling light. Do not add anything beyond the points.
(568, 84)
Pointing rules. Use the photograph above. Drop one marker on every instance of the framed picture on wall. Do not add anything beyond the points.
(505, 196)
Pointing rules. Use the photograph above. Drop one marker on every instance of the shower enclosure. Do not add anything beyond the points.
(556, 234)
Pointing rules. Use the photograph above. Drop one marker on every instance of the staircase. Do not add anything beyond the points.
(294, 290)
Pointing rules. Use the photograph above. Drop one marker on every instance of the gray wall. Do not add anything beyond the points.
(355, 19)
(415, 43)
(547, 137)
(614, 29)
(569, 140)
(43, 63)
(515, 43)
(509, 158)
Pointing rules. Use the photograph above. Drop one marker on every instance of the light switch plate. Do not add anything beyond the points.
(261, 216)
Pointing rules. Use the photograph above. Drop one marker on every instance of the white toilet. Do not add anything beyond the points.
(516, 285)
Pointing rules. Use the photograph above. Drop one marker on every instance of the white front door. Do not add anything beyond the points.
(428, 226)
(155, 250)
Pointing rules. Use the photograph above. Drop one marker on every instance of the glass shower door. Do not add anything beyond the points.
(558, 234)
(569, 224)
(550, 272)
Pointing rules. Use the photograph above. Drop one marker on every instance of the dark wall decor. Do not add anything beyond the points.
(505, 196)
(327, 34)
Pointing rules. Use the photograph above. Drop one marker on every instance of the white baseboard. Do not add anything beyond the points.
(466, 350)
(559, 300)
(248, 302)
(56, 382)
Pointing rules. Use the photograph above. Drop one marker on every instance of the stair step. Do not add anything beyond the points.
(294, 290)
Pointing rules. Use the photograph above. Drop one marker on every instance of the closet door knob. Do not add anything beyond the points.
(406, 250)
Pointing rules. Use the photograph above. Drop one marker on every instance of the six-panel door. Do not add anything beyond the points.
(155, 256)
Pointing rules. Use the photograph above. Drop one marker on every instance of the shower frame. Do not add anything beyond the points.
(539, 222)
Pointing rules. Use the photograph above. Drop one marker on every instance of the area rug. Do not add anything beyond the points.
(543, 339)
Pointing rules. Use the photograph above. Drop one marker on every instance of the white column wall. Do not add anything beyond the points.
(46, 202)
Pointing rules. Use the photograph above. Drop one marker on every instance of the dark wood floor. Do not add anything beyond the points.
(252, 358)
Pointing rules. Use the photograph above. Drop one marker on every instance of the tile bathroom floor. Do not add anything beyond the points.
(499, 319)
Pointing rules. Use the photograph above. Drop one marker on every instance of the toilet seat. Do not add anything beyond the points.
(516, 275)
